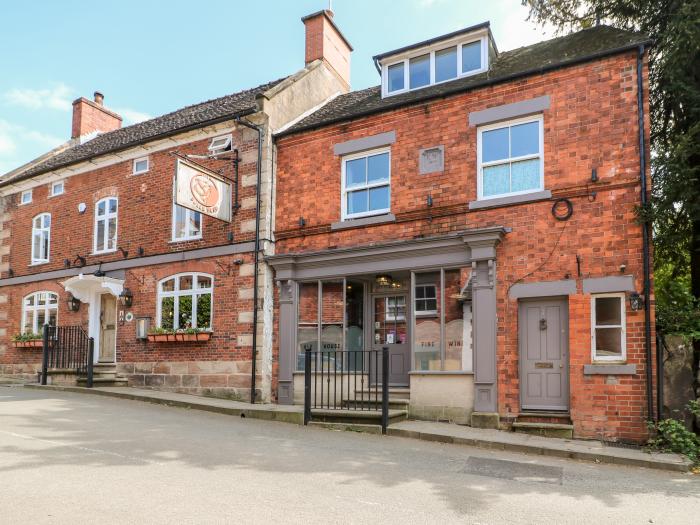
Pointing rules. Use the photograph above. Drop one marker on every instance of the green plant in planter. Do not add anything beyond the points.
(157, 330)
(29, 336)
(673, 436)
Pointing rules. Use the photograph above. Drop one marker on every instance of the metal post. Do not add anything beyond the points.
(385, 388)
(90, 358)
(307, 384)
(45, 355)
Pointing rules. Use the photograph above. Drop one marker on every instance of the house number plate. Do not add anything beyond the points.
(544, 365)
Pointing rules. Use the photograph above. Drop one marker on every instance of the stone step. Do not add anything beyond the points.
(544, 417)
(395, 392)
(356, 416)
(105, 381)
(394, 403)
(350, 427)
(559, 430)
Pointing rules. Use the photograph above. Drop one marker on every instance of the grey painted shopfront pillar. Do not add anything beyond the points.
(483, 257)
(287, 354)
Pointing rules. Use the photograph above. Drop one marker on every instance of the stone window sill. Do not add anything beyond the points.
(364, 221)
(508, 201)
(609, 369)
(440, 373)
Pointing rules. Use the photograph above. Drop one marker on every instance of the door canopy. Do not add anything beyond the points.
(84, 286)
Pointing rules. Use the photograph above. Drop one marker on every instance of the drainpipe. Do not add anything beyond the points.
(248, 124)
(645, 235)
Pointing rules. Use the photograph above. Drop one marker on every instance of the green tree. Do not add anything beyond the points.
(674, 95)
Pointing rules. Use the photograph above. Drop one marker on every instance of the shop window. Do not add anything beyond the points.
(41, 238)
(608, 327)
(38, 309)
(185, 301)
(106, 225)
(308, 319)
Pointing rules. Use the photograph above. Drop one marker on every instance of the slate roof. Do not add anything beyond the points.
(581, 46)
(201, 114)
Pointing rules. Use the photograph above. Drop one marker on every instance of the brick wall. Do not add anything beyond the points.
(592, 123)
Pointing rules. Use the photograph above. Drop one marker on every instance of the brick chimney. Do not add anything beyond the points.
(91, 115)
(324, 40)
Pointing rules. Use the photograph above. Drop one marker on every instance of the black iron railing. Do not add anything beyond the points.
(69, 348)
(352, 380)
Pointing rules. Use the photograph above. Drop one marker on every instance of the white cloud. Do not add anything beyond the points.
(429, 3)
(512, 29)
(131, 116)
(57, 97)
(16, 141)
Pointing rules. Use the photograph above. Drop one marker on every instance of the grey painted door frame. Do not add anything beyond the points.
(405, 349)
(537, 369)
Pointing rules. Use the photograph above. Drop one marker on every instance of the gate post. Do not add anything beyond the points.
(45, 354)
(307, 384)
(90, 358)
(385, 388)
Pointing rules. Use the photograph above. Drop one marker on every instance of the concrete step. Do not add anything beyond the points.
(395, 392)
(351, 427)
(544, 417)
(104, 381)
(559, 430)
(356, 416)
(376, 404)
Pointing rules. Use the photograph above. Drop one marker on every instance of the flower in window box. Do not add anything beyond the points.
(27, 340)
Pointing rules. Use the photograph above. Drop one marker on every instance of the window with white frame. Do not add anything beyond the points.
(608, 339)
(25, 197)
(141, 165)
(435, 64)
(41, 238)
(366, 184)
(426, 299)
(187, 224)
(106, 225)
(220, 144)
(57, 188)
(510, 158)
(185, 301)
(38, 309)
(396, 308)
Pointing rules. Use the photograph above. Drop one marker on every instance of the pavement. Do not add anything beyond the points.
(584, 450)
(71, 458)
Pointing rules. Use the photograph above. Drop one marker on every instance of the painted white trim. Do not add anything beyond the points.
(52, 188)
(424, 313)
(134, 171)
(106, 218)
(225, 146)
(40, 231)
(36, 329)
(623, 330)
(160, 294)
(21, 197)
(479, 166)
(344, 190)
(430, 50)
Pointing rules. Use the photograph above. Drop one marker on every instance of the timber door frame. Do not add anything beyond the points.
(100, 298)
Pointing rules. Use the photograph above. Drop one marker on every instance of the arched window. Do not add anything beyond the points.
(41, 238)
(184, 301)
(106, 225)
(38, 309)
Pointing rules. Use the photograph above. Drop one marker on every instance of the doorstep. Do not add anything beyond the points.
(425, 430)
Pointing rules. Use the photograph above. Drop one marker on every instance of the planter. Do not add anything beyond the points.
(181, 338)
(37, 343)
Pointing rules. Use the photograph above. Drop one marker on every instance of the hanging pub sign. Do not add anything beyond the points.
(202, 190)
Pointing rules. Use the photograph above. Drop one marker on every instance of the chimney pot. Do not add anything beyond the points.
(91, 116)
(99, 98)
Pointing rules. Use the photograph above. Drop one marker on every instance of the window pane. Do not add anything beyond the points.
(307, 329)
(37, 246)
(608, 342)
(356, 172)
(168, 286)
(332, 313)
(167, 312)
(100, 235)
(379, 198)
(354, 317)
(101, 208)
(395, 77)
(185, 282)
(53, 298)
(426, 336)
(446, 64)
(52, 316)
(41, 299)
(494, 145)
(184, 314)
(37, 222)
(457, 351)
(525, 139)
(195, 223)
(471, 57)
(357, 201)
(29, 301)
(44, 246)
(419, 71)
(113, 206)
(525, 175)
(180, 222)
(378, 167)
(28, 322)
(495, 180)
(40, 318)
(112, 234)
(141, 165)
(204, 311)
(607, 311)
(47, 221)
(420, 292)
(203, 282)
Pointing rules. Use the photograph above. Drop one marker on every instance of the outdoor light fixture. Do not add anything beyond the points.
(126, 298)
(384, 280)
(636, 301)
(73, 303)
(142, 326)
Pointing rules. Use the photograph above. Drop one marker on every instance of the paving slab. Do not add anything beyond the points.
(585, 450)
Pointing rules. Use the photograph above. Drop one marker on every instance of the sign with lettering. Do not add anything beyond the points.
(202, 190)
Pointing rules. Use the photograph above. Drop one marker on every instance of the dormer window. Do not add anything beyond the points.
(220, 144)
(439, 60)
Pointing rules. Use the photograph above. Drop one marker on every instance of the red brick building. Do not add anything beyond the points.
(92, 237)
(475, 213)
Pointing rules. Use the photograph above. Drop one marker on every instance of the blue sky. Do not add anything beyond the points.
(150, 57)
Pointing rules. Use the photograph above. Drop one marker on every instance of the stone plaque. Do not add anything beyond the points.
(432, 159)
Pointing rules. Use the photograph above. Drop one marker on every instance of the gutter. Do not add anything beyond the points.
(645, 239)
(256, 262)
(471, 87)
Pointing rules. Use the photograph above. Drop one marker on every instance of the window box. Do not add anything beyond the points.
(180, 337)
(34, 343)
